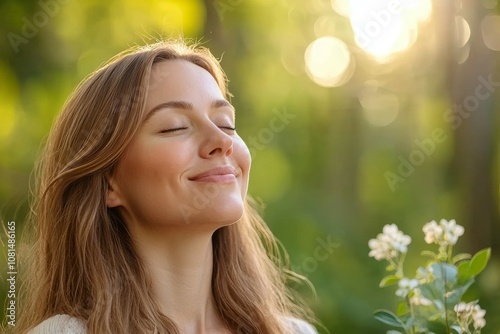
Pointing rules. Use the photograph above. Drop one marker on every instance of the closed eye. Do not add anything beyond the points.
(173, 130)
(228, 128)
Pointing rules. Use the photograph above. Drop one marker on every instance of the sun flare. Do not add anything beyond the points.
(385, 27)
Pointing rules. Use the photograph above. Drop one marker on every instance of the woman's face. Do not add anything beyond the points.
(186, 164)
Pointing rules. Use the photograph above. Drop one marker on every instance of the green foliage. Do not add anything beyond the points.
(389, 280)
(323, 174)
(479, 261)
(389, 318)
(468, 269)
(432, 302)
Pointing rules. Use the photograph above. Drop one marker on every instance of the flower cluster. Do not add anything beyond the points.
(408, 288)
(418, 299)
(389, 243)
(432, 300)
(470, 313)
(445, 233)
(405, 286)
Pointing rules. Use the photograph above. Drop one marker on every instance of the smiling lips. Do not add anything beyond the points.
(221, 174)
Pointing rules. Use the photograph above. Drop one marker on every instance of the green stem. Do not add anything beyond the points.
(399, 267)
(391, 262)
(443, 274)
(450, 253)
(412, 314)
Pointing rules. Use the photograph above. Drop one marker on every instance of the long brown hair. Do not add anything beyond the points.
(82, 260)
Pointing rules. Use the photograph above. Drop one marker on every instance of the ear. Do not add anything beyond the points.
(113, 197)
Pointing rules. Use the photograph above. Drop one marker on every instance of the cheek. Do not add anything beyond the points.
(242, 149)
(243, 156)
(137, 164)
(144, 167)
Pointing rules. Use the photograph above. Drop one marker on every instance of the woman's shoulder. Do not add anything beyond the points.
(65, 324)
(300, 326)
(60, 324)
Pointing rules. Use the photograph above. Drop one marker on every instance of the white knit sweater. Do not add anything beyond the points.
(64, 324)
(60, 324)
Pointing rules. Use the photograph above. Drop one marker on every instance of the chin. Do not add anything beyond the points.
(220, 210)
(217, 214)
(223, 218)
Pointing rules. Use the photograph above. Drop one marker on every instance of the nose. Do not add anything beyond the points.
(216, 142)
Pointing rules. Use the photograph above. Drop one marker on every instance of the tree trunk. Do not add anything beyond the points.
(476, 176)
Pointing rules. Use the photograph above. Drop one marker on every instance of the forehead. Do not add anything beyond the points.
(181, 79)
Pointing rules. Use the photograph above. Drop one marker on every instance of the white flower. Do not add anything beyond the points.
(451, 230)
(425, 275)
(433, 232)
(462, 309)
(418, 299)
(380, 249)
(470, 311)
(478, 317)
(405, 286)
(444, 234)
(389, 243)
(398, 240)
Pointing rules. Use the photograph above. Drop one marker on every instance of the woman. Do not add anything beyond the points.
(142, 223)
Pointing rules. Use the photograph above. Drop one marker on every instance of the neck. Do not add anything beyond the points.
(180, 262)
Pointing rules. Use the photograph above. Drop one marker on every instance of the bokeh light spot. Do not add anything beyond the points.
(380, 107)
(9, 96)
(462, 31)
(385, 27)
(328, 61)
(463, 54)
(324, 26)
(490, 27)
(342, 7)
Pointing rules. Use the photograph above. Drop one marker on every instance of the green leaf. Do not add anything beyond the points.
(445, 273)
(432, 291)
(402, 308)
(389, 280)
(479, 261)
(464, 272)
(460, 257)
(388, 318)
(455, 296)
(428, 254)
(390, 268)
(437, 327)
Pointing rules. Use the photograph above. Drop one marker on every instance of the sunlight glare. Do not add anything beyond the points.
(341, 7)
(328, 61)
(420, 10)
(385, 27)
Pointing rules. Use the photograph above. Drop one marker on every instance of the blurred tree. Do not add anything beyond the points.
(472, 88)
(321, 172)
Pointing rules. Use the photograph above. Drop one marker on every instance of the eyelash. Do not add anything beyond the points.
(230, 128)
(173, 130)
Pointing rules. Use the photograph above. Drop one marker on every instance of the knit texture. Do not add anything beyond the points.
(64, 324)
(60, 324)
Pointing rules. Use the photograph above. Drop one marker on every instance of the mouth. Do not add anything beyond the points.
(219, 174)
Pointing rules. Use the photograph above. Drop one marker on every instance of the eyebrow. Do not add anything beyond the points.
(184, 105)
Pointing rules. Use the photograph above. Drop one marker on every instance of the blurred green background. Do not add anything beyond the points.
(358, 114)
